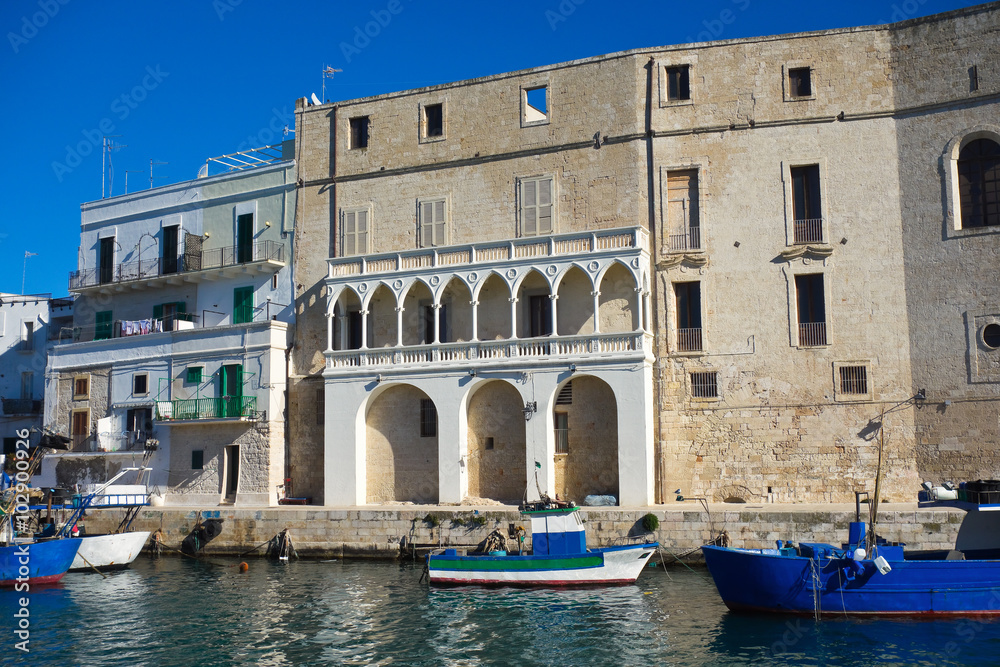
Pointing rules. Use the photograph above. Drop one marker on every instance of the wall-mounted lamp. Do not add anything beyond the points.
(472, 372)
(378, 378)
(572, 368)
(267, 223)
(947, 403)
(530, 408)
(207, 235)
(921, 395)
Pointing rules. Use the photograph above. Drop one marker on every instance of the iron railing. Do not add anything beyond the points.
(812, 334)
(689, 340)
(690, 239)
(145, 269)
(222, 407)
(809, 230)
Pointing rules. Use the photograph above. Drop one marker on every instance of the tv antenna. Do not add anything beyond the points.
(151, 163)
(328, 73)
(106, 147)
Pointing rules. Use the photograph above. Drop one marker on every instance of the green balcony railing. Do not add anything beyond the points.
(223, 407)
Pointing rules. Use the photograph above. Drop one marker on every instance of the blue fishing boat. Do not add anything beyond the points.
(559, 556)
(36, 562)
(866, 575)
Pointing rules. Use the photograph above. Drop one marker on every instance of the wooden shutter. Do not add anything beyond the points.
(350, 232)
(432, 223)
(545, 206)
(362, 232)
(530, 208)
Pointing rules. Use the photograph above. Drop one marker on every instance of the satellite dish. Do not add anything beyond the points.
(315, 100)
(203, 171)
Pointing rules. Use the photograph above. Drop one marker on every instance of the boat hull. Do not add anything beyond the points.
(609, 566)
(37, 563)
(772, 581)
(108, 552)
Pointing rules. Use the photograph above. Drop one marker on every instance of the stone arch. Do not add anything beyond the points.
(589, 466)
(534, 305)
(417, 322)
(382, 316)
(618, 311)
(575, 305)
(456, 298)
(346, 323)
(496, 442)
(401, 462)
(494, 307)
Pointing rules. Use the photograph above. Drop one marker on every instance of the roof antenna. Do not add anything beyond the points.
(328, 73)
(151, 163)
(106, 147)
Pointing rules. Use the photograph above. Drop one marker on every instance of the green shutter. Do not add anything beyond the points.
(158, 312)
(102, 322)
(242, 305)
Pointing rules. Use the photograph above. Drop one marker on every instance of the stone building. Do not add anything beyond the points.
(177, 358)
(712, 267)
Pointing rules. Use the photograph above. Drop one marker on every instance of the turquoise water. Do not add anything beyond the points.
(182, 612)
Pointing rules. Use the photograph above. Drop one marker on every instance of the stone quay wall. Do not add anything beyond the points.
(391, 532)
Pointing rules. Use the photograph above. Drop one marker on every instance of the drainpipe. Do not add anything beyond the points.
(653, 246)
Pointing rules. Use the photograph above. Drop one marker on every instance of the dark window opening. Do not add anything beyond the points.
(973, 78)
(354, 330)
(244, 238)
(139, 422)
(565, 396)
(704, 385)
(979, 183)
(540, 315)
(811, 308)
(359, 132)
(561, 420)
(197, 459)
(106, 259)
(853, 380)
(434, 119)
(800, 82)
(807, 211)
(170, 256)
(991, 335)
(678, 82)
(428, 418)
(489, 443)
(688, 298)
(320, 407)
(140, 384)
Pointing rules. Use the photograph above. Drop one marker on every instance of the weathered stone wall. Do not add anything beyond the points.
(497, 473)
(683, 527)
(401, 465)
(96, 401)
(952, 290)
(591, 465)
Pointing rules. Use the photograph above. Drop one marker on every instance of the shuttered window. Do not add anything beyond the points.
(354, 232)
(682, 210)
(433, 223)
(536, 206)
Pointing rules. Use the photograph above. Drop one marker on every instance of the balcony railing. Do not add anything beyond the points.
(21, 406)
(145, 269)
(223, 407)
(579, 243)
(493, 350)
(690, 239)
(689, 340)
(809, 230)
(812, 334)
(127, 441)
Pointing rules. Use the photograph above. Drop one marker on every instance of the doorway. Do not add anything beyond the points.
(232, 466)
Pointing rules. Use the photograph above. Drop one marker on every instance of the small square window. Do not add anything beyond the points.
(81, 387)
(428, 418)
(489, 444)
(853, 380)
(194, 374)
(799, 82)
(197, 459)
(704, 385)
(678, 83)
(535, 105)
(433, 121)
(140, 384)
(359, 132)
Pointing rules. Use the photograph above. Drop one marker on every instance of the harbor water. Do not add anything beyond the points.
(175, 611)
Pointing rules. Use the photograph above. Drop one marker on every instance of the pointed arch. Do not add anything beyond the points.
(619, 301)
(494, 310)
(575, 303)
(496, 442)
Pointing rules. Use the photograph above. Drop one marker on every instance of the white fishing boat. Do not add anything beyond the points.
(108, 552)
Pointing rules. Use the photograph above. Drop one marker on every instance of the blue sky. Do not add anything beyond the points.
(186, 80)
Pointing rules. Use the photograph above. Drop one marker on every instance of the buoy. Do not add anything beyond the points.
(244, 567)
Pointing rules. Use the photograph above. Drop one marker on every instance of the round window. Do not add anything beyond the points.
(991, 335)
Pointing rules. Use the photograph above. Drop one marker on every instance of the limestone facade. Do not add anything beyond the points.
(803, 275)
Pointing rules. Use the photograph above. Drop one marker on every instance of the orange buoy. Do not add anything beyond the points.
(244, 567)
